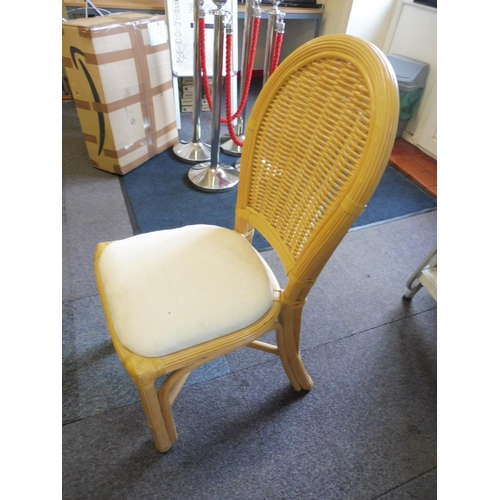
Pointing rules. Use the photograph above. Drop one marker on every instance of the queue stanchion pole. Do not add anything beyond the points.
(195, 151)
(252, 11)
(278, 41)
(275, 16)
(213, 176)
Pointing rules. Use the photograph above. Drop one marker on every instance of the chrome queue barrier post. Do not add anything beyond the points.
(195, 151)
(273, 16)
(213, 176)
(252, 10)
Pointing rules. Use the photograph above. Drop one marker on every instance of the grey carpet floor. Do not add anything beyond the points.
(367, 429)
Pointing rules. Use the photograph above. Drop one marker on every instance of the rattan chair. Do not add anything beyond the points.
(317, 142)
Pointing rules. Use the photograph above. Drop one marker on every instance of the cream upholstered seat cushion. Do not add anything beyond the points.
(173, 289)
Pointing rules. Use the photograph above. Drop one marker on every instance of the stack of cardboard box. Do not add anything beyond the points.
(119, 70)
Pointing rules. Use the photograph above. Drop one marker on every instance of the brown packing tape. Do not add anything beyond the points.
(111, 153)
(136, 145)
(156, 48)
(99, 31)
(122, 55)
(165, 130)
(116, 105)
(144, 96)
(122, 103)
(139, 144)
(162, 88)
(125, 151)
(125, 169)
(101, 25)
(121, 25)
(116, 56)
(111, 167)
(90, 138)
(110, 57)
(67, 62)
(84, 32)
(79, 104)
(116, 19)
(141, 65)
(130, 166)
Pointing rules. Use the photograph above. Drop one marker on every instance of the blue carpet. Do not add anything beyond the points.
(159, 196)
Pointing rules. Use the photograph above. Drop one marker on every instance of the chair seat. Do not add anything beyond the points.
(173, 289)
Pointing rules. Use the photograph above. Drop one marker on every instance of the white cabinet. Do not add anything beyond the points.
(425, 136)
(413, 33)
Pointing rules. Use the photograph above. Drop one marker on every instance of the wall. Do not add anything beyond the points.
(335, 16)
(370, 19)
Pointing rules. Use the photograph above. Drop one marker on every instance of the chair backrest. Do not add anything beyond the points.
(316, 145)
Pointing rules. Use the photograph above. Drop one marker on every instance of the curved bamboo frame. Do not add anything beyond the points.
(301, 194)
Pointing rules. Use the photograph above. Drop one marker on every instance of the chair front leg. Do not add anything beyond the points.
(151, 405)
(167, 394)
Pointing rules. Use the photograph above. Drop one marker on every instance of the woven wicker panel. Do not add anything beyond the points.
(309, 143)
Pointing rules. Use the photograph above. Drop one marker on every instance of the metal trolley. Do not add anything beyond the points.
(425, 276)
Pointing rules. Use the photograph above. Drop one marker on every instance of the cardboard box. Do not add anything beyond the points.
(119, 70)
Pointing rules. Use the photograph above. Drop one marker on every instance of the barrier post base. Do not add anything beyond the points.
(192, 152)
(231, 148)
(218, 178)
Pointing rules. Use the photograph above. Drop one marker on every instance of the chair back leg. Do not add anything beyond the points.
(288, 340)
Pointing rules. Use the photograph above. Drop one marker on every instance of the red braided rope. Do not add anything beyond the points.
(248, 76)
(278, 41)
